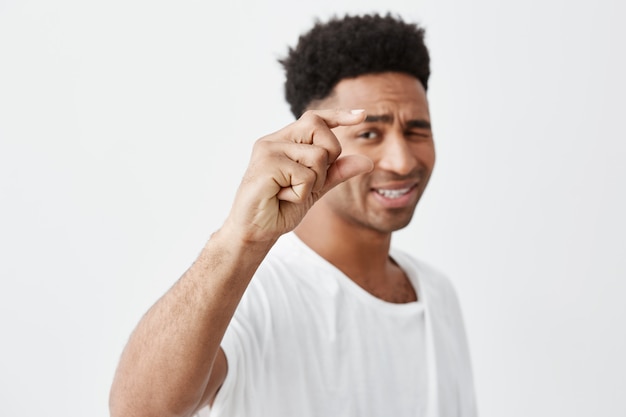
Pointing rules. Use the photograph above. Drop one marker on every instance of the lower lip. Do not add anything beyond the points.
(400, 202)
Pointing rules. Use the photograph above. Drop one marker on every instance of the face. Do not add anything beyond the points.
(397, 137)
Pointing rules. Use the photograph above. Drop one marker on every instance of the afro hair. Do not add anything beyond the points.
(349, 47)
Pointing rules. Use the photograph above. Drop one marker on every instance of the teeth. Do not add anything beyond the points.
(393, 193)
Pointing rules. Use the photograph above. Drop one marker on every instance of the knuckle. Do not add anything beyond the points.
(263, 147)
(307, 177)
(319, 155)
(308, 115)
(313, 120)
(334, 148)
(259, 144)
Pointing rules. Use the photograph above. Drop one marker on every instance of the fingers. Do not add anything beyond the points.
(334, 118)
(296, 181)
(345, 168)
(317, 123)
(295, 166)
(314, 158)
(299, 170)
(314, 128)
(302, 157)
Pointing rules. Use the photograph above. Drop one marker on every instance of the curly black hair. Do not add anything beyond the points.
(348, 47)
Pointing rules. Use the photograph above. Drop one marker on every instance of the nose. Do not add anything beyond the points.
(396, 154)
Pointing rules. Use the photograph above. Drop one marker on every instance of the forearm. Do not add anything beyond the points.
(166, 365)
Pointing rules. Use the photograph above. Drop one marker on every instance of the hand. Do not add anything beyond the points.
(289, 171)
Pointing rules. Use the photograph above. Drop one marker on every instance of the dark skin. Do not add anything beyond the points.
(351, 226)
(173, 364)
(365, 261)
(342, 182)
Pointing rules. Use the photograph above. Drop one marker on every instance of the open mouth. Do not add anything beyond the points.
(393, 194)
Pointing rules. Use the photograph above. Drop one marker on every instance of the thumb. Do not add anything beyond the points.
(345, 168)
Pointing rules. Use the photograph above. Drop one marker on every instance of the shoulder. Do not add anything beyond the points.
(282, 278)
(435, 288)
(427, 277)
(290, 261)
(291, 251)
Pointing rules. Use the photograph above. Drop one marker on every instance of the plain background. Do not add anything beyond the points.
(125, 127)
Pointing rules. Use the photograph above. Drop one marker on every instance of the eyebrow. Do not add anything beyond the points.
(387, 118)
(419, 123)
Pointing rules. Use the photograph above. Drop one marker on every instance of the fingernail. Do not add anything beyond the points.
(357, 111)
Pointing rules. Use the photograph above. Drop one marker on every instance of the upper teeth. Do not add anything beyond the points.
(393, 193)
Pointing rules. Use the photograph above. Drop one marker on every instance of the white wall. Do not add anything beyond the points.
(125, 126)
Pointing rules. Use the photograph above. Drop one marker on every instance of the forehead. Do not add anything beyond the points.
(388, 92)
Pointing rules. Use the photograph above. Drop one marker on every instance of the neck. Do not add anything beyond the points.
(362, 255)
(354, 253)
(360, 252)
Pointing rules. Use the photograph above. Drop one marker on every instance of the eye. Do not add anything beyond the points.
(418, 134)
(369, 134)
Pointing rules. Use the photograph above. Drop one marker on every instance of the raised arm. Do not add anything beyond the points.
(173, 364)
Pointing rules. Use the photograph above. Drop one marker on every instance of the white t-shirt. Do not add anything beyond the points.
(307, 341)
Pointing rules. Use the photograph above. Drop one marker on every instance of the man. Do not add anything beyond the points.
(327, 320)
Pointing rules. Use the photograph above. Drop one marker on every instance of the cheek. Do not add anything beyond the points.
(425, 153)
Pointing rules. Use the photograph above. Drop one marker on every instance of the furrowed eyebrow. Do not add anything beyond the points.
(422, 124)
(387, 118)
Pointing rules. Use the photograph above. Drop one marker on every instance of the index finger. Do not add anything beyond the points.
(339, 117)
(315, 125)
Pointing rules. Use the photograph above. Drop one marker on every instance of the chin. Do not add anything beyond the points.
(391, 225)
